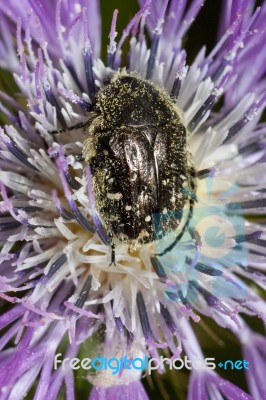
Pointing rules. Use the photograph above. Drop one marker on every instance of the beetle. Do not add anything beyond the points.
(142, 174)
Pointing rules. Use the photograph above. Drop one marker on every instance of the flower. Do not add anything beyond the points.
(57, 284)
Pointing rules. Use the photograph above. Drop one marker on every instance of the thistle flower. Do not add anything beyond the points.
(58, 287)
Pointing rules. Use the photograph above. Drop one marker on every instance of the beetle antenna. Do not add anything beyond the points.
(79, 125)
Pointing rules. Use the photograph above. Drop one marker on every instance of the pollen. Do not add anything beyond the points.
(114, 196)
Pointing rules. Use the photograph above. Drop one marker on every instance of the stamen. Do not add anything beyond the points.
(13, 210)
(59, 25)
(141, 14)
(122, 329)
(62, 167)
(248, 116)
(251, 148)
(237, 127)
(207, 270)
(28, 38)
(29, 208)
(152, 58)
(184, 299)
(74, 98)
(214, 302)
(144, 320)
(60, 209)
(52, 100)
(54, 267)
(155, 42)
(159, 269)
(112, 45)
(168, 318)
(73, 73)
(176, 88)
(119, 324)
(88, 60)
(254, 204)
(180, 74)
(219, 71)
(255, 236)
(130, 338)
(188, 18)
(209, 103)
(84, 292)
(74, 184)
(79, 217)
(231, 37)
(236, 41)
(80, 311)
(4, 226)
(20, 47)
(172, 296)
(12, 147)
(261, 242)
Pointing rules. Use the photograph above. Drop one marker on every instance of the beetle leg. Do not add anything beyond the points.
(112, 251)
(79, 125)
(112, 255)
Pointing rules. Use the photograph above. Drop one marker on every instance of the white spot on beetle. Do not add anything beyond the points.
(114, 196)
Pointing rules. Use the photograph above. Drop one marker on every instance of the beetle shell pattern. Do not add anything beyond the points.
(136, 147)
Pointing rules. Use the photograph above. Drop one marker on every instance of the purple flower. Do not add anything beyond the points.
(56, 281)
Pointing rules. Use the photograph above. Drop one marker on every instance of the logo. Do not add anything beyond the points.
(118, 364)
(210, 245)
